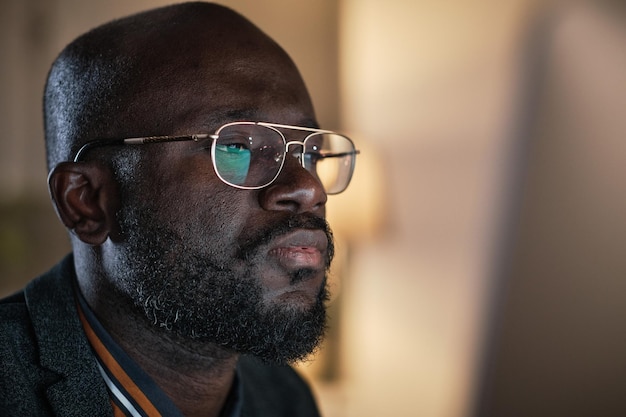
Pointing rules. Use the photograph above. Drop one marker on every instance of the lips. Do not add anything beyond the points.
(302, 248)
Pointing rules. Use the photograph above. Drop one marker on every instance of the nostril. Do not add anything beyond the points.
(287, 205)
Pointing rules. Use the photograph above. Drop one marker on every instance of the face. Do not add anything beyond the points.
(244, 270)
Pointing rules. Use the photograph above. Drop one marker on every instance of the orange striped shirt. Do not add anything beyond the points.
(134, 393)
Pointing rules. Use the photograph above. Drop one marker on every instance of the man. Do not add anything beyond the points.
(200, 248)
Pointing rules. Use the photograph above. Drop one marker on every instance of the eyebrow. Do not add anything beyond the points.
(241, 114)
(219, 118)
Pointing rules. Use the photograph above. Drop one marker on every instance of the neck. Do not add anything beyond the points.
(196, 376)
(198, 382)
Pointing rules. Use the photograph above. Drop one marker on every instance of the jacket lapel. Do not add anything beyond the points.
(77, 388)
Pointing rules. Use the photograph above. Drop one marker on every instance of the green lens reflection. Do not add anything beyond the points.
(232, 163)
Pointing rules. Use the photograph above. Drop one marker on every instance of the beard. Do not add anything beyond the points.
(189, 284)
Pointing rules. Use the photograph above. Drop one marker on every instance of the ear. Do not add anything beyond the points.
(85, 197)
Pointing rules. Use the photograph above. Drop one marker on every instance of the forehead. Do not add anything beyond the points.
(234, 73)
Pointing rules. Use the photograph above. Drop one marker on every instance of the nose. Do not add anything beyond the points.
(296, 190)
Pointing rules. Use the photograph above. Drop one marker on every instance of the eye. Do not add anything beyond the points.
(232, 158)
(234, 142)
(232, 150)
(235, 147)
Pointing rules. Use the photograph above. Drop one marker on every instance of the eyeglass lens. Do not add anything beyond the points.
(251, 156)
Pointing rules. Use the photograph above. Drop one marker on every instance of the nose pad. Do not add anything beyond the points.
(296, 149)
(300, 157)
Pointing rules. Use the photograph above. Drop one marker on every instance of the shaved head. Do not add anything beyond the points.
(128, 77)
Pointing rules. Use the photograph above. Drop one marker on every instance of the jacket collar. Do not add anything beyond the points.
(63, 347)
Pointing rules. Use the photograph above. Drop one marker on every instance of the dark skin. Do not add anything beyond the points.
(264, 86)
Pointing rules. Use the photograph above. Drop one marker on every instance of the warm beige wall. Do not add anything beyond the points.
(558, 346)
(430, 85)
(439, 88)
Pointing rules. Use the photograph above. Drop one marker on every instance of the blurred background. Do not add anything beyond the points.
(482, 265)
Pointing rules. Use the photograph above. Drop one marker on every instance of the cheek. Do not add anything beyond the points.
(187, 195)
(207, 213)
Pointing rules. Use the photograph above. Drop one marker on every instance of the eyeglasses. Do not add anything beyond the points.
(251, 155)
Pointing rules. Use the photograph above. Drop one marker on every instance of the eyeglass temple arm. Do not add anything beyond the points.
(340, 154)
(95, 144)
(135, 141)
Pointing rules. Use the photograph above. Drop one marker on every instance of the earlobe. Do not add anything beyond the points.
(82, 194)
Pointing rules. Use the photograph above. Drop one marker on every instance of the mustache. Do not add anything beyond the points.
(250, 246)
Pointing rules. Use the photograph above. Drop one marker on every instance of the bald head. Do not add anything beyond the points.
(142, 75)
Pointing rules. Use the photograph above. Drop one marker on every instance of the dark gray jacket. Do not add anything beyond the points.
(47, 367)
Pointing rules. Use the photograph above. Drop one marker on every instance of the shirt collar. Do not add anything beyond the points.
(132, 391)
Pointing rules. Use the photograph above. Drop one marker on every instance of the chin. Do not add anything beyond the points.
(306, 289)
